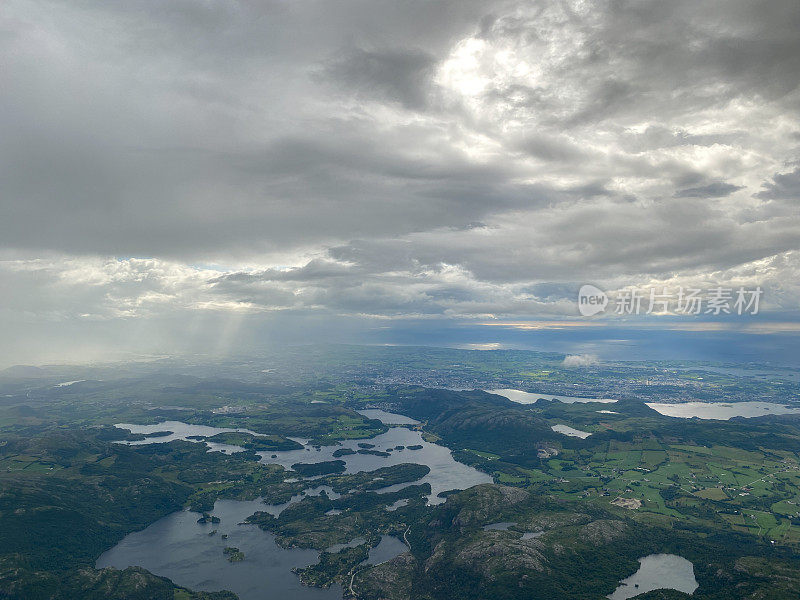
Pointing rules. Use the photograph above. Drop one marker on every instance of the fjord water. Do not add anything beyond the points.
(182, 431)
(658, 572)
(722, 410)
(446, 473)
(521, 397)
(180, 548)
(387, 418)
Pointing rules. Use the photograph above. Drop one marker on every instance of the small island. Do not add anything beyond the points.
(343, 452)
(208, 518)
(156, 434)
(373, 452)
(233, 554)
(259, 443)
(320, 468)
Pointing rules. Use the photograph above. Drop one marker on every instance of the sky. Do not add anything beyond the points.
(207, 175)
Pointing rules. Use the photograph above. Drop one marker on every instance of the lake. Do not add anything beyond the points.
(387, 418)
(387, 549)
(567, 430)
(721, 410)
(397, 504)
(182, 431)
(181, 549)
(446, 473)
(530, 397)
(658, 572)
(276, 509)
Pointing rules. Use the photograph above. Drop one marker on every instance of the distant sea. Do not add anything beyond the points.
(611, 343)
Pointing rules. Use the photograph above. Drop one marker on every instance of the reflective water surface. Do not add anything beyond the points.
(530, 397)
(446, 473)
(657, 572)
(387, 549)
(181, 549)
(387, 418)
(570, 431)
(722, 410)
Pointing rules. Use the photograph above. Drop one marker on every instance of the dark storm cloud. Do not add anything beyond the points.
(313, 271)
(551, 148)
(784, 186)
(718, 189)
(389, 75)
(183, 128)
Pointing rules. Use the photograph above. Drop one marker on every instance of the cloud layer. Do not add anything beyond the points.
(456, 159)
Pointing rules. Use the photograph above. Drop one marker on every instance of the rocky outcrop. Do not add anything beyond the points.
(602, 532)
(478, 504)
(389, 581)
(495, 551)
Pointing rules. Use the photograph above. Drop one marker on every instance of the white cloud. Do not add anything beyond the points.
(581, 360)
